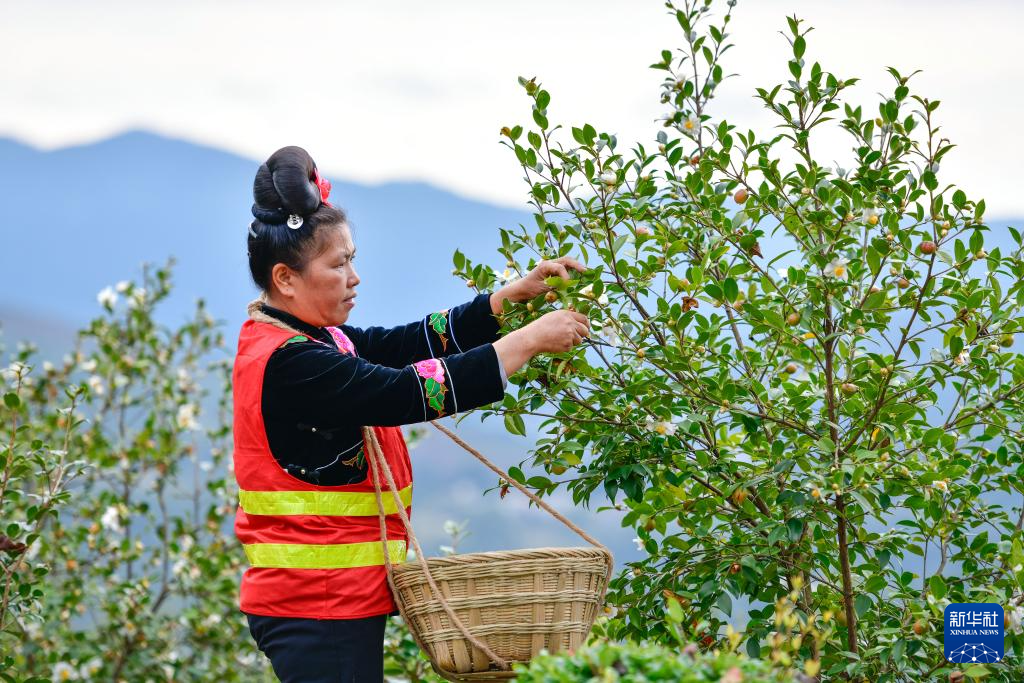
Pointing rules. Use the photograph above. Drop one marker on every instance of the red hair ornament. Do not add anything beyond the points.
(325, 186)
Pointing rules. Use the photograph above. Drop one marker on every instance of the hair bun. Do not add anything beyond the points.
(285, 185)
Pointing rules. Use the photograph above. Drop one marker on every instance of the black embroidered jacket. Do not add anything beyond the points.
(316, 398)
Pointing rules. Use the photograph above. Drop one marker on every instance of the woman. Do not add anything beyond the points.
(316, 596)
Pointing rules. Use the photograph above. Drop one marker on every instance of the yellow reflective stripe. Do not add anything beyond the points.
(332, 503)
(341, 556)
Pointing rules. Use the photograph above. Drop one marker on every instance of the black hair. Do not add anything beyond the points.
(284, 191)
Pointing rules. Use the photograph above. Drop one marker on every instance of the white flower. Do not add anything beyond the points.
(89, 669)
(962, 357)
(941, 485)
(588, 292)
(107, 297)
(206, 466)
(122, 286)
(610, 178)
(89, 365)
(663, 427)
(643, 230)
(246, 658)
(187, 417)
(96, 385)
(502, 276)
(639, 544)
(691, 126)
(48, 367)
(837, 268)
(120, 380)
(32, 628)
(610, 334)
(11, 372)
(1016, 616)
(184, 380)
(213, 619)
(871, 215)
(937, 356)
(111, 519)
(138, 297)
(451, 528)
(62, 671)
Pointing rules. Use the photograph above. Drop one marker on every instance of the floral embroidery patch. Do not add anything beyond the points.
(344, 344)
(432, 372)
(439, 323)
(357, 460)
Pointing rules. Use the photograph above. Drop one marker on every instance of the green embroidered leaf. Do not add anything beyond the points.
(433, 387)
(296, 338)
(437, 403)
(439, 321)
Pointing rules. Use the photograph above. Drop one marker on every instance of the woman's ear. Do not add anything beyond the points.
(283, 279)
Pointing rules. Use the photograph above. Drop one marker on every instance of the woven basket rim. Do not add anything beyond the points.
(463, 558)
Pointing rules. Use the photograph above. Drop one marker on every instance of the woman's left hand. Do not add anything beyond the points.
(532, 284)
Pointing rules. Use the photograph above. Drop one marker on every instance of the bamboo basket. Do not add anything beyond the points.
(476, 614)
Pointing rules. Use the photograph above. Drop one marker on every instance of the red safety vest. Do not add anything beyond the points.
(315, 551)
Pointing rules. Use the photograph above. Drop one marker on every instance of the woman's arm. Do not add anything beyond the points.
(335, 389)
(437, 335)
(456, 330)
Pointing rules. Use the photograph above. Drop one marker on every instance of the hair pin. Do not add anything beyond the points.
(253, 232)
(295, 221)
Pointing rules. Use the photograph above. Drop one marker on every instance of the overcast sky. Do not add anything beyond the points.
(416, 90)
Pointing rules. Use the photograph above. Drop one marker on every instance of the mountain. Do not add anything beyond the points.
(84, 217)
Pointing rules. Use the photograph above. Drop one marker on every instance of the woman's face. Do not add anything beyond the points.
(323, 294)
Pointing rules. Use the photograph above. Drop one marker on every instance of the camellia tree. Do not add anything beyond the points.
(802, 377)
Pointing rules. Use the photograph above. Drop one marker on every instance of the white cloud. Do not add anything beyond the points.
(419, 90)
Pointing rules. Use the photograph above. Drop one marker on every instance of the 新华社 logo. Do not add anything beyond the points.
(973, 632)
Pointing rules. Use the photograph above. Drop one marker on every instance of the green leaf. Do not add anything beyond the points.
(861, 603)
(675, 612)
(556, 282)
(514, 424)
(799, 45)
(956, 345)
(976, 671)
(732, 290)
(11, 400)
(929, 180)
(937, 587)
(724, 603)
(795, 527)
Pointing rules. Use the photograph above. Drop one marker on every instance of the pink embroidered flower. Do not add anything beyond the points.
(325, 186)
(431, 369)
(344, 344)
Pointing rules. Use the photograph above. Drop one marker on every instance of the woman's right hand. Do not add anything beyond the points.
(554, 332)
(557, 331)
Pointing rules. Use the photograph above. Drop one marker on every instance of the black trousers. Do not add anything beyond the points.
(322, 650)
